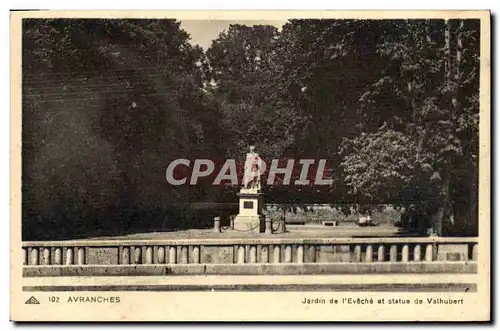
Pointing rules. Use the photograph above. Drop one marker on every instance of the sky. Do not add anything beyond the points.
(204, 31)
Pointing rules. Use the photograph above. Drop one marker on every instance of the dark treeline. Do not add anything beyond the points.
(393, 105)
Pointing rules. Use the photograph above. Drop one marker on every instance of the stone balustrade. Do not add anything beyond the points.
(249, 251)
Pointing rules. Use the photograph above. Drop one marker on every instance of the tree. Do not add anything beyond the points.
(437, 128)
(246, 71)
(107, 104)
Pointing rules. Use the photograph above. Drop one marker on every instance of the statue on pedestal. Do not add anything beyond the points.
(253, 171)
(250, 217)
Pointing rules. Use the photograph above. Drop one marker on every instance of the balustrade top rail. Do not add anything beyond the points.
(251, 241)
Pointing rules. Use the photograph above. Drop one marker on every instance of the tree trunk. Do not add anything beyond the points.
(460, 48)
(444, 210)
(474, 194)
(447, 51)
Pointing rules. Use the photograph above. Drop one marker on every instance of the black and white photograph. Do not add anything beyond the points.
(336, 164)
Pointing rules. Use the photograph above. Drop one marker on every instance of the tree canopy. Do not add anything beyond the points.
(392, 105)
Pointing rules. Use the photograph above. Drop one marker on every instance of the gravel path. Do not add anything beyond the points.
(294, 231)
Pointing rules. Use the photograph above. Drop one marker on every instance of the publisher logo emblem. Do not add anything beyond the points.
(32, 301)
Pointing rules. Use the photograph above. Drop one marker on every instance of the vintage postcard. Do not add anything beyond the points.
(250, 166)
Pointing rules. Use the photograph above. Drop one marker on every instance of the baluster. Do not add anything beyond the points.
(46, 256)
(143, 255)
(417, 253)
(149, 255)
(357, 253)
(241, 254)
(137, 258)
(126, 255)
(253, 254)
(312, 253)
(300, 254)
(405, 252)
(69, 256)
(172, 255)
(381, 253)
(57, 256)
(429, 253)
(393, 253)
(160, 254)
(167, 254)
(184, 254)
(81, 256)
(277, 254)
(34, 256)
(25, 256)
(288, 253)
(265, 253)
(195, 254)
(369, 253)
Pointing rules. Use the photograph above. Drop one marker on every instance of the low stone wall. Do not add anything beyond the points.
(251, 256)
(253, 269)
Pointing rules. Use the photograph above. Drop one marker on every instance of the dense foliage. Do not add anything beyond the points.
(393, 105)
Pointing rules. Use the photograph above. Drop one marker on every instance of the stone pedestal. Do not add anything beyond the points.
(250, 218)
